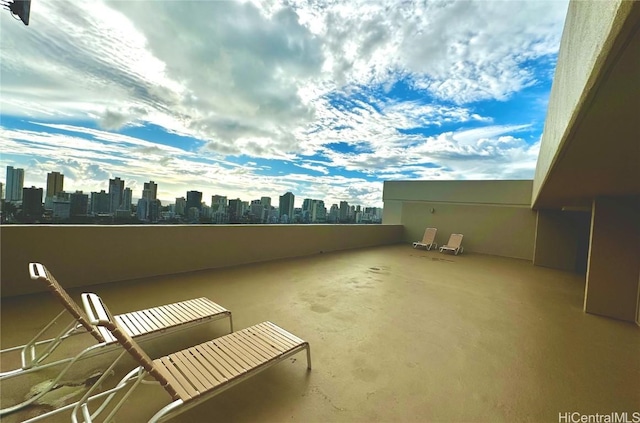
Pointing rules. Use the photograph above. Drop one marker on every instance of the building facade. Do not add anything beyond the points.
(15, 183)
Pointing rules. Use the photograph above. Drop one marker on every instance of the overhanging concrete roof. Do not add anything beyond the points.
(599, 148)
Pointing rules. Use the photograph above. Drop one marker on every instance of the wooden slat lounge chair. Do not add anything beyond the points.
(428, 240)
(190, 376)
(143, 324)
(454, 244)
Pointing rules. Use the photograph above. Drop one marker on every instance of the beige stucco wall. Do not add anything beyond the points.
(392, 213)
(494, 216)
(476, 192)
(614, 259)
(562, 239)
(589, 31)
(84, 255)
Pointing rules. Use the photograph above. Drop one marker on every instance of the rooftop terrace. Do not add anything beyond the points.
(397, 334)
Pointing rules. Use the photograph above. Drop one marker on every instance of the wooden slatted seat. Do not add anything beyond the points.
(219, 361)
(194, 374)
(142, 324)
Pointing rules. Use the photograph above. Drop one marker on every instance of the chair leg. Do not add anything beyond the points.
(165, 411)
(308, 356)
(49, 387)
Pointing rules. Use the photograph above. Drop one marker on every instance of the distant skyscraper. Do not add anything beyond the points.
(155, 210)
(344, 212)
(61, 207)
(127, 199)
(99, 202)
(55, 183)
(334, 214)
(219, 199)
(150, 190)
(219, 204)
(205, 211)
(1, 191)
(319, 212)
(32, 202)
(194, 199)
(181, 206)
(257, 211)
(142, 210)
(78, 204)
(306, 204)
(116, 192)
(15, 183)
(150, 209)
(235, 211)
(286, 206)
(266, 202)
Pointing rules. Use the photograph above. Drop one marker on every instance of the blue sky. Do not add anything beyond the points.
(249, 99)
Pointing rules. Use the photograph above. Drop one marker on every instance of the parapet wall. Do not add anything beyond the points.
(86, 254)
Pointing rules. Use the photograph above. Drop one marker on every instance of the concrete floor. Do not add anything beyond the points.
(396, 334)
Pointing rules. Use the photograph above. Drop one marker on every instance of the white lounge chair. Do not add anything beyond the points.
(190, 376)
(428, 240)
(143, 324)
(454, 244)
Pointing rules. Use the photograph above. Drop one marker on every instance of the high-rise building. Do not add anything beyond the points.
(205, 211)
(344, 212)
(32, 202)
(194, 199)
(257, 211)
(266, 202)
(286, 207)
(78, 204)
(306, 204)
(116, 194)
(334, 214)
(219, 199)
(155, 210)
(142, 209)
(150, 190)
(181, 206)
(319, 212)
(235, 211)
(61, 207)
(55, 183)
(193, 215)
(99, 202)
(15, 183)
(127, 199)
(1, 191)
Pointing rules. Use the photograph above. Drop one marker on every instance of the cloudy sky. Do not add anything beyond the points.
(326, 99)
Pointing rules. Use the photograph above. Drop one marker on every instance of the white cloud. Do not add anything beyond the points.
(316, 168)
(281, 80)
(242, 74)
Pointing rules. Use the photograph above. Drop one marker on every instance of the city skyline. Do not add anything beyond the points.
(323, 100)
(149, 191)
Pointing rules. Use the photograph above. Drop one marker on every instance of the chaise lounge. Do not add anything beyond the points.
(143, 324)
(454, 244)
(190, 376)
(428, 240)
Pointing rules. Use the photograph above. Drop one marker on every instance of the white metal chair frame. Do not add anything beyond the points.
(32, 359)
(99, 315)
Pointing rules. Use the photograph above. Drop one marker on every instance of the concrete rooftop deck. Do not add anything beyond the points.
(397, 334)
